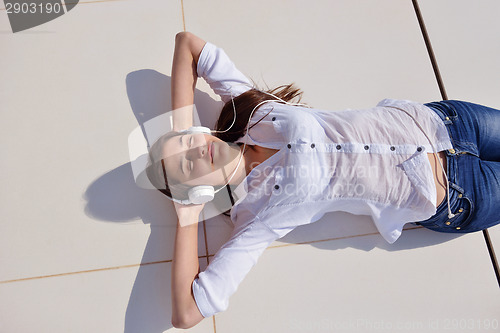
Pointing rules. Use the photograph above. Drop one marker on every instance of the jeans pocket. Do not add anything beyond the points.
(462, 210)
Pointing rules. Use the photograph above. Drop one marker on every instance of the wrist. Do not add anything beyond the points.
(187, 220)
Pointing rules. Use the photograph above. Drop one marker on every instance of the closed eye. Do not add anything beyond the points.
(190, 164)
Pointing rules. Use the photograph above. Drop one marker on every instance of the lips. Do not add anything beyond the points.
(210, 152)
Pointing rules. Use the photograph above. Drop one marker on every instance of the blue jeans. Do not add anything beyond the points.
(473, 168)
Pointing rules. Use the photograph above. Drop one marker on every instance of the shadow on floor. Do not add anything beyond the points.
(114, 197)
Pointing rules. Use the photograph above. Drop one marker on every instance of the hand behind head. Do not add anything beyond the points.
(188, 214)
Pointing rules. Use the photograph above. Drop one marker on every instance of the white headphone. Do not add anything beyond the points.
(201, 194)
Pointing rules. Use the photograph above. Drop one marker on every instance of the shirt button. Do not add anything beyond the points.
(448, 223)
(458, 228)
(460, 195)
(289, 146)
(419, 149)
(460, 210)
(338, 147)
(313, 145)
(393, 148)
(273, 119)
(447, 118)
(366, 147)
(277, 187)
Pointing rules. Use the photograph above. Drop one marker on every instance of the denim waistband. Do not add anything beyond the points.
(447, 111)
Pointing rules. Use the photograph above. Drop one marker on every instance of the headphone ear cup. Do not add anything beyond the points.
(201, 194)
(199, 129)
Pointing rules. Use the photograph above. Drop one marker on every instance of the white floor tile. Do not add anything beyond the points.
(218, 230)
(410, 287)
(464, 36)
(495, 238)
(72, 91)
(127, 300)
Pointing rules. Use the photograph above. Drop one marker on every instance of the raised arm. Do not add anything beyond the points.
(185, 267)
(194, 57)
(184, 75)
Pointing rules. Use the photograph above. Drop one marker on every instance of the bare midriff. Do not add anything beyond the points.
(439, 176)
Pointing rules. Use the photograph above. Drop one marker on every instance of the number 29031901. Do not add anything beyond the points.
(32, 8)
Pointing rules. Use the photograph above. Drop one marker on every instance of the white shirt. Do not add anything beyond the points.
(367, 162)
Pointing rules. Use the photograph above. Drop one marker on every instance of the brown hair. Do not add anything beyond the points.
(244, 104)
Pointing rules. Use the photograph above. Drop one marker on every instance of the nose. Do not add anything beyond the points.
(196, 153)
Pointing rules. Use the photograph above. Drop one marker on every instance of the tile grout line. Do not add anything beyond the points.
(183, 19)
(430, 51)
(440, 83)
(87, 271)
(215, 326)
(327, 240)
(492, 254)
(204, 224)
(206, 240)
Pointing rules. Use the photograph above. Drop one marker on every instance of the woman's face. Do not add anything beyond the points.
(199, 159)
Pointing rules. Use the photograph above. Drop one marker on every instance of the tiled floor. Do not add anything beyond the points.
(82, 249)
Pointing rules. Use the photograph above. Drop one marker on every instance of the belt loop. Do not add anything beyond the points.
(457, 188)
(434, 106)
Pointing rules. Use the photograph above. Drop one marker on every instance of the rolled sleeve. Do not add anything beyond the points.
(220, 73)
(213, 287)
